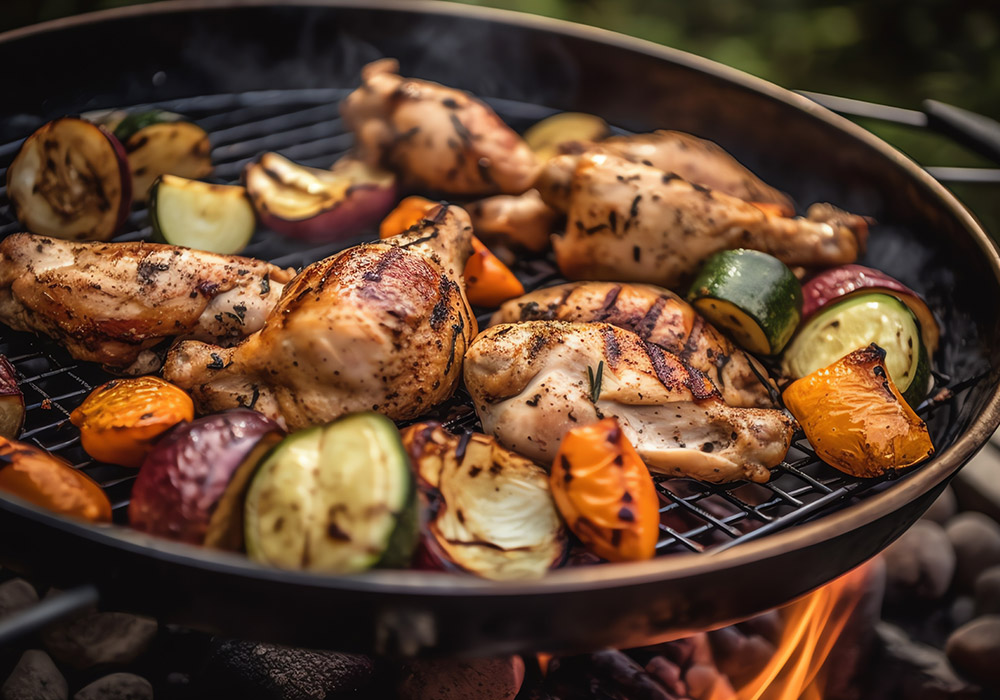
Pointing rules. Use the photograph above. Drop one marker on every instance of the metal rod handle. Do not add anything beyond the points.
(50, 610)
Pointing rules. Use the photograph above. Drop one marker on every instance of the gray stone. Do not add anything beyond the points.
(668, 674)
(988, 592)
(974, 649)
(16, 595)
(921, 563)
(977, 486)
(471, 679)
(35, 678)
(943, 508)
(915, 671)
(962, 609)
(976, 539)
(256, 671)
(97, 638)
(117, 686)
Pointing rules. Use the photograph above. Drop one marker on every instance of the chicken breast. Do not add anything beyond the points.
(530, 385)
(658, 316)
(381, 327)
(112, 302)
(435, 137)
(696, 160)
(523, 220)
(632, 222)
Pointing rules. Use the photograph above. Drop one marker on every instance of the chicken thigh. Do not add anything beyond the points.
(657, 316)
(112, 302)
(380, 326)
(632, 222)
(530, 385)
(696, 160)
(435, 137)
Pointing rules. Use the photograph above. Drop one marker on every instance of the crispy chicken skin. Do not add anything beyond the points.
(435, 137)
(658, 316)
(696, 160)
(524, 220)
(381, 326)
(635, 223)
(111, 302)
(529, 384)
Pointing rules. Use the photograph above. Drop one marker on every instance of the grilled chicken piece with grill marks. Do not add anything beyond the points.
(529, 384)
(381, 326)
(435, 137)
(696, 160)
(631, 222)
(657, 316)
(112, 302)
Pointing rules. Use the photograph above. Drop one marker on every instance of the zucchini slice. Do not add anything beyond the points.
(162, 143)
(751, 295)
(193, 214)
(337, 498)
(856, 322)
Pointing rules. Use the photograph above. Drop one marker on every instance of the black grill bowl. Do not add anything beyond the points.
(262, 77)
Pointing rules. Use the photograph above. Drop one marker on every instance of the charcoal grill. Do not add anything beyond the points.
(726, 551)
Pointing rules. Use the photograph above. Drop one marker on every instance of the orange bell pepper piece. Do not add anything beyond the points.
(406, 214)
(605, 493)
(50, 482)
(855, 417)
(488, 282)
(121, 419)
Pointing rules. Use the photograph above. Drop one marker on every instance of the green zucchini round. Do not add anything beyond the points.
(338, 498)
(856, 322)
(751, 295)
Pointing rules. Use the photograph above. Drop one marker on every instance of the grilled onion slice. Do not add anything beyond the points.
(71, 180)
(492, 511)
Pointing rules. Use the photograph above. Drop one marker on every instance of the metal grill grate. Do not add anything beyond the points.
(304, 125)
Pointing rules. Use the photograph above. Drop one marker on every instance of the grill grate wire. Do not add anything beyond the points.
(304, 125)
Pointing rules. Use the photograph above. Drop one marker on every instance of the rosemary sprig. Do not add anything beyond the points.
(595, 381)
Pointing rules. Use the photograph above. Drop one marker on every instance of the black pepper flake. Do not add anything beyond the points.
(217, 362)
(265, 285)
(533, 401)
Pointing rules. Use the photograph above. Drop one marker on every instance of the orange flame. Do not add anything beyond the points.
(812, 626)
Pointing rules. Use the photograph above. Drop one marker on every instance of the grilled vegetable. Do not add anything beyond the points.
(338, 498)
(163, 143)
(407, 213)
(846, 281)
(855, 323)
(119, 421)
(318, 205)
(193, 214)
(47, 481)
(488, 282)
(855, 417)
(71, 180)
(605, 493)
(750, 294)
(189, 473)
(546, 137)
(11, 401)
(492, 511)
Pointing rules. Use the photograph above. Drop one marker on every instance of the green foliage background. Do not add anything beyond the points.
(897, 52)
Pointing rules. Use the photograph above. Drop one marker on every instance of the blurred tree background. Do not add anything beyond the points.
(896, 52)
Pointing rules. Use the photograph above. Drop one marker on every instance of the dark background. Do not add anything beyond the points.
(897, 52)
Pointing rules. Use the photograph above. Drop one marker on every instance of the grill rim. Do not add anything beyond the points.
(895, 506)
(660, 569)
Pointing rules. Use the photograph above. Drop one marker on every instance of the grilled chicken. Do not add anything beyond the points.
(696, 160)
(632, 222)
(112, 302)
(529, 384)
(381, 326)
(524, 220)
(435, 137)
(657, 316)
